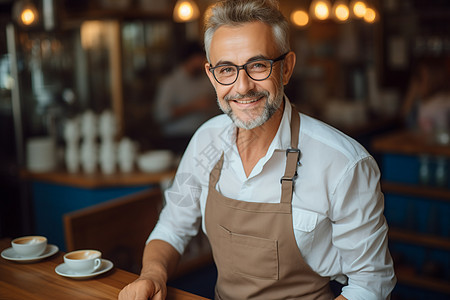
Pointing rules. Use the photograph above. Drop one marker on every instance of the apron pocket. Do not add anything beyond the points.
(253, 256)
(304, 225)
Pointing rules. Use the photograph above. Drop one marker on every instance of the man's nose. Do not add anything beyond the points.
(243, 83)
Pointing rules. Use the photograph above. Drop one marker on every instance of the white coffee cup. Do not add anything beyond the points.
(83, 261)
(29, 246)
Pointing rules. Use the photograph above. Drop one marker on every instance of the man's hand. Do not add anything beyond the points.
(143, 289)
(159, 261)
(340, 297)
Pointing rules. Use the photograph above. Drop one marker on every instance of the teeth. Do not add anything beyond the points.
(246, 102)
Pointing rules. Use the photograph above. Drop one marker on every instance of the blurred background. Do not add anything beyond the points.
(85, 114)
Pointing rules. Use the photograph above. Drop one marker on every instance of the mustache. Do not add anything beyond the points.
(250, 94)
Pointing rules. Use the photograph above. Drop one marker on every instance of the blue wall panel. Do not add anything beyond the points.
(52, 201)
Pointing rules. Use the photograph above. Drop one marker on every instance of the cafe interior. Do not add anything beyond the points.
(84, 158)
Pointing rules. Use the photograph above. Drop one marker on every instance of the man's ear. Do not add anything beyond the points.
(288, 66)
(209, 74)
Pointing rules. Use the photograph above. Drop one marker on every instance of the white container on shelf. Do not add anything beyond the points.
(126, 155)
(72, 131)
(72, 158)
(107, 158)
(89, 125)
(155, 161)
(89, 156)
(107, 127)
(41, 154)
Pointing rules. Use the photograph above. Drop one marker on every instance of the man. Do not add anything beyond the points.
(183, 101)
(287, 202)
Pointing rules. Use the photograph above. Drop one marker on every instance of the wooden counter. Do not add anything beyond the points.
(39, 280)
(98, 180)
(409, 143)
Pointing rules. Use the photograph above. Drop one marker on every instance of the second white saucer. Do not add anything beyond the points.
(10, 254)
(64, 270)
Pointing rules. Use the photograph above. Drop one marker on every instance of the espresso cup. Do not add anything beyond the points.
(29, 246)
(83, 261)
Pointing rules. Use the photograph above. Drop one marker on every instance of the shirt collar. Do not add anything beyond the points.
(282, 139)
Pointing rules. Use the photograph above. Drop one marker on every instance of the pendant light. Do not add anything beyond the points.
(25, 13)
(185, 11)
(340, 11)
(358, 8)
(300, 18)
(371, 15)
(320, 9)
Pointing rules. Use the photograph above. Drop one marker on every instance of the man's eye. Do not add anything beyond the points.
(226, 70)
(259, 65)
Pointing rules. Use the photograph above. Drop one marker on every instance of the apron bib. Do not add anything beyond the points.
(253, 243)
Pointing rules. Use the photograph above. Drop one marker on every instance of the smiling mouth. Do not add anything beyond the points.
(247, 101)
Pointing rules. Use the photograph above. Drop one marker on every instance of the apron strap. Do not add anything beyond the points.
(295, 127)
(215, 173)
(292, 160)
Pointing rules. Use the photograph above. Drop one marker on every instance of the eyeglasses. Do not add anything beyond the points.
(258, 70)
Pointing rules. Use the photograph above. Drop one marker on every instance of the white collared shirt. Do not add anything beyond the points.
(337, 204)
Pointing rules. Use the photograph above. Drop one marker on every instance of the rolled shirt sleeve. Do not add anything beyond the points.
(360, 233)
(180, 218)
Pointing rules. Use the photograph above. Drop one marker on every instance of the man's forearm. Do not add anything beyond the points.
(159, 261)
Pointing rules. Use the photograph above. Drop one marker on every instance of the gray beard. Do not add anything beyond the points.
(270, 108)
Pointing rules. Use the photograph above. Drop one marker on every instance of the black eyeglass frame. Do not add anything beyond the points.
(244, 66)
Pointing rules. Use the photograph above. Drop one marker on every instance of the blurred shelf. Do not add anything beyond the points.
(419, 239)
(376, 124)
(409, 143)
(98, 180)
(437, 193)
(409, 277)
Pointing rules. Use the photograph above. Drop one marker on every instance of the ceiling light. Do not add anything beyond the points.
(185, 11)
(340, 11)
(300, 18)
(358, 8)
(320, 9)
(25, 13)
(370, 16)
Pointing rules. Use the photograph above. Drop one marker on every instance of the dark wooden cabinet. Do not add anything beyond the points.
(417, 206)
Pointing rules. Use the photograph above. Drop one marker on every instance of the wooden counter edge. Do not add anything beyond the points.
(98, 180)
(120, 281)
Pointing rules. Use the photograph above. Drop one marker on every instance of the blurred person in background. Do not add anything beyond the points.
(426, 105)
(185, 99)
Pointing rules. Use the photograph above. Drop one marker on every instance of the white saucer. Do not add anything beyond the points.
(10, 254)
(63, 270)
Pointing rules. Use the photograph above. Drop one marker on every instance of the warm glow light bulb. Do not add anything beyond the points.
(27, 16)
(359, 9)
(341, 12)
(300, 18)
(321, 11)
(185, 11)
(370, 16)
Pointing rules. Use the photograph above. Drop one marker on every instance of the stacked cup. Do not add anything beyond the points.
(88, 152)
(107, 131)
(71, 137)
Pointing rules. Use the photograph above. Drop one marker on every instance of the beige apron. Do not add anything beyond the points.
(253, 243)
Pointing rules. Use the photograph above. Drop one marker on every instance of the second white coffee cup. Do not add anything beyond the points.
(83, 261)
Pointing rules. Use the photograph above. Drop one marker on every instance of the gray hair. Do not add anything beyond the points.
(238, 12)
